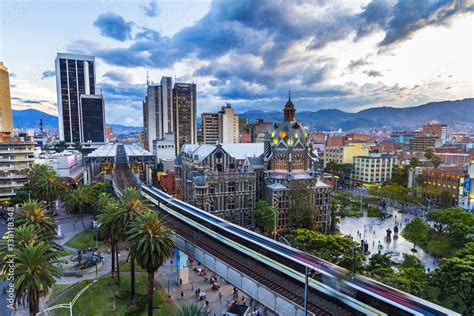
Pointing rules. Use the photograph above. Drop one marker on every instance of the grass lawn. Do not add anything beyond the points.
(97, 300)
(86, 239)
(58, 288)
(65, 252)
(125, 267)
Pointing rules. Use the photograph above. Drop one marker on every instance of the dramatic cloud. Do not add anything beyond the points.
(114, 26)
(151, 9)
(252, 52)
(118, 76)
(373, 73)
(47, 74)
(406, 17)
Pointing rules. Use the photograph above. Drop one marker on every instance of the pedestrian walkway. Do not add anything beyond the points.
(374, 231)
(167, 277)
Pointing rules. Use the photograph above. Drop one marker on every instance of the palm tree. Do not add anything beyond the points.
(45, 184)
(109, 228)
(79, 199)
(191, 310)
(32, 212)
(35, 273)
(132, 205)
(152, 244)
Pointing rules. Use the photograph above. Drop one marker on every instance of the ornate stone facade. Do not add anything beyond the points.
(288, 158)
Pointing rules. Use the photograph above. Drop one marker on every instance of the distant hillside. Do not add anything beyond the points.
(30, 119)
(457, 114)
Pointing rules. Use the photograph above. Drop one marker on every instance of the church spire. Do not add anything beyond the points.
(289, 110)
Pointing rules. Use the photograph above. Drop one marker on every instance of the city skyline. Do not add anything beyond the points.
(346, 56)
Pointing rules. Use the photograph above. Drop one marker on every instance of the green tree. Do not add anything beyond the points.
(60, 147)
(191, 310)
(35, 273)
(33, 213)
(109, 229)
(334, 248)
(445, 219)
(82, 200)
(132, 204)
(429, 153)
(45, 184)
(455, 278)
(445, 199)
(414, 162)
(379, 265)
(302, 213)
(152, 244)
(416, 231)
(399, 175)
(264, 217)
(436, 161)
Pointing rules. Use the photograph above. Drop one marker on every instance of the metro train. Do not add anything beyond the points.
(360, 293)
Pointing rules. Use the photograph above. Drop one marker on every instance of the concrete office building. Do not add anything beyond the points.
(344, 154)
(210, 128)
(184, 111)
(373, 168)
(228, 125)
(75, 81)
(168, 110)
(6, 121)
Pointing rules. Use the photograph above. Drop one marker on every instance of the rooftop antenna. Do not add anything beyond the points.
(41, 127)
(289, 94)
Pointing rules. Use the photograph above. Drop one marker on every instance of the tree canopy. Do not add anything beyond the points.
(416, 231)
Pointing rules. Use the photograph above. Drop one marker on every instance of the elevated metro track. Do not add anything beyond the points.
(278, 267)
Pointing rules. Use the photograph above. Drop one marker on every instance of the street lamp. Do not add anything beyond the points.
(341, 257)
(274, 223)
(306, 285)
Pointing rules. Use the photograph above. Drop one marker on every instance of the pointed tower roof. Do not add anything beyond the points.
(289, 109)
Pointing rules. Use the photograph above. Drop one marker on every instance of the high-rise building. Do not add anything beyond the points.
(6, 121)
(93, 118)
(159, 110)
(16, 158)
(222, 127)
(75, 81)
(210, 128)
(151, 115)
(184, 111)
(228, 125)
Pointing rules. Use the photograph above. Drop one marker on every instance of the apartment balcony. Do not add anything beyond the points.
(16, 160)
(12, 185)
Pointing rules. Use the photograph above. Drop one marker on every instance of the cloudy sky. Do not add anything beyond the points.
(347, 54)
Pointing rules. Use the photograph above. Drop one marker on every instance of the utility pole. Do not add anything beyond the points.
(306, 291)
(354, 262)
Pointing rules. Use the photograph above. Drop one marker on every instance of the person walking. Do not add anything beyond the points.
(182, 295)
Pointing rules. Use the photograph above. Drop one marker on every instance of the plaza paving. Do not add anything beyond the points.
(167, 276)
(374, 231)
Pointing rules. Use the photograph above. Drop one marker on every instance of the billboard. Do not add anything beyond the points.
(182, 260)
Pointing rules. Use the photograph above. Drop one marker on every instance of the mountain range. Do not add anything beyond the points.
(30, 119)
(458, 114)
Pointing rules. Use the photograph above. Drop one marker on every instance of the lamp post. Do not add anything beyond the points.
(274, 223)
(306, 286)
